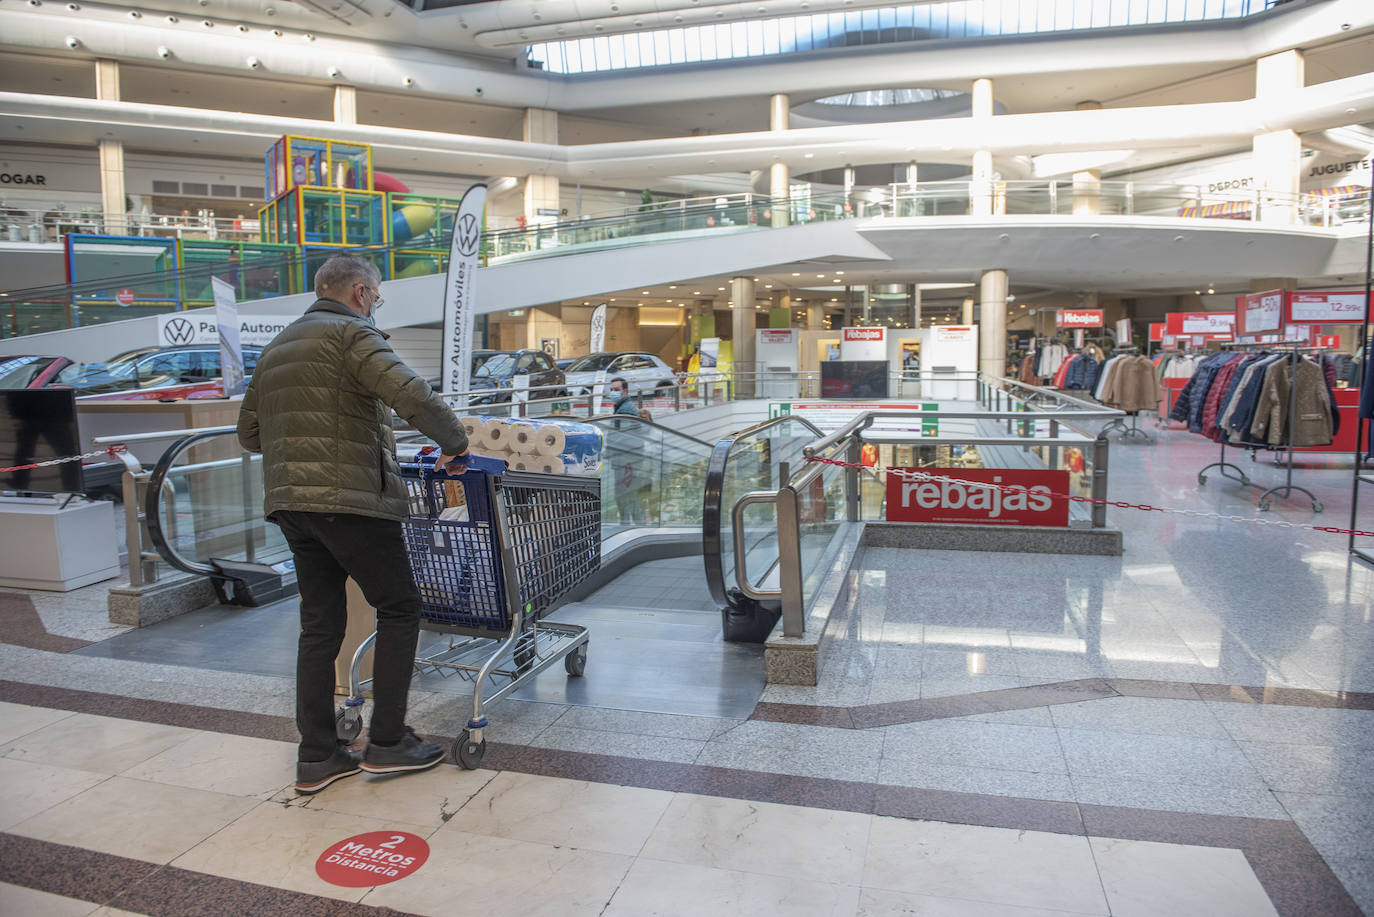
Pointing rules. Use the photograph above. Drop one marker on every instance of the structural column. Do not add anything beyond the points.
(992, 326)
(742, 332)
(966, 311)
(345, 105)
(1277, 156)
(779, 176)
(541, 191)
(1087, 183)
(112, 196)
(980, 190)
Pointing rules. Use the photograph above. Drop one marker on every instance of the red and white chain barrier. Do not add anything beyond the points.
(913, 475)
(111, 451)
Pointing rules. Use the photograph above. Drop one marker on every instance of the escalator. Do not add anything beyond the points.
(758, 459)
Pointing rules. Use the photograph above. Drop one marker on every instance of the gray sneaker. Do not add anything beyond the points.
(313, 776)
(409, 754)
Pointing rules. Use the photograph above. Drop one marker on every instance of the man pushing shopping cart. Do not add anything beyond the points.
(319, 410)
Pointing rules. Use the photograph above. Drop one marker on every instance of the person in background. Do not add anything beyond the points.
(319, 410)
(628, 479)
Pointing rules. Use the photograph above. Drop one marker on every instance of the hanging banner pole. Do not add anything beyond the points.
(230, 344)
(459, 300)
(598, 336)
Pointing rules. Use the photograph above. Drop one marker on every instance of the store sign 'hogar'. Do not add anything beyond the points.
(1022, 497)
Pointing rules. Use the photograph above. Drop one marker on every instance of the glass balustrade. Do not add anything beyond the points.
(52, 308)
(211, 502)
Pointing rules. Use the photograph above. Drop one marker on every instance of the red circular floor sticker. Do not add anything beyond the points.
(375, 858)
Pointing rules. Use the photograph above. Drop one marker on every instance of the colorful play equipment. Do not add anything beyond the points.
(323, 197)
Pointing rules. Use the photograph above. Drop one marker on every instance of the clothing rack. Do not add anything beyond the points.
(1118, 424)
(1288, 487)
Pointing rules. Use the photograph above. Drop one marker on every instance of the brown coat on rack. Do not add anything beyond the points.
(1132, 385)
(1312, 426)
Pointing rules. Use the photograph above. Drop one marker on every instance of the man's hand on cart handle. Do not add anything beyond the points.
(443, 462)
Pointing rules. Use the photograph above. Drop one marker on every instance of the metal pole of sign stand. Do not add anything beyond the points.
(1361, 447)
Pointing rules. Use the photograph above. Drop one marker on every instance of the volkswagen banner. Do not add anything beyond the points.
(456, 363)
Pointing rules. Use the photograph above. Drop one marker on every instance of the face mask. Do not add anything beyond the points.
(618, 397)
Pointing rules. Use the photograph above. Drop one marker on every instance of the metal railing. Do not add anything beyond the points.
(815, 500)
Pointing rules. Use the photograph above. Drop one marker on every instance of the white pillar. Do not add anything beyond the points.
(541, 191)
(980, 191)
(1277, 156)
(992, 326)
(111, 154)
(915, 305)
(966, 312)
(345, 105)
(742, 325)
(779, 176)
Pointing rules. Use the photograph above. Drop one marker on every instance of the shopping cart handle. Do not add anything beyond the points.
(473, 461)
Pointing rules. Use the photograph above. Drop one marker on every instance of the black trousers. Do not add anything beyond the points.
(329, 548)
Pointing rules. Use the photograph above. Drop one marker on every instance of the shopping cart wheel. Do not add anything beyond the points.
(576, 661)
(467, 752)
(348, 727)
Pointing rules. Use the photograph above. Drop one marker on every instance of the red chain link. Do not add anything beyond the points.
(112, 451)
(1144, 507)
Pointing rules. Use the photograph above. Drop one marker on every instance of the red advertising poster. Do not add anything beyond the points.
(1328, 341)
(958, 498)
(1259, 313)
(1156, 331)
(1200, 323)
(1078, 318)
(1316, 307)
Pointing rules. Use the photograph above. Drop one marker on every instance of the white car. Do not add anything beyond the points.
(642, 372)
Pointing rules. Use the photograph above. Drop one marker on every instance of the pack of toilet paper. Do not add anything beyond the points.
(541, 446)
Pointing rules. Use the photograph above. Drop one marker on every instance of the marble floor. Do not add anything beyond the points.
(1183, 730)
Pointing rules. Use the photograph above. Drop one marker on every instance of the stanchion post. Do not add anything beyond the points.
(854, 456)
(1100, 455)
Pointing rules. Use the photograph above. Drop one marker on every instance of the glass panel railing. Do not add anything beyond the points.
(822, 519)
(761, 458)
(651, 476)
(207, 505)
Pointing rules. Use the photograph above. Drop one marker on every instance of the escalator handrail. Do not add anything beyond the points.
(152, 505)
(603, 418)
(714, 493)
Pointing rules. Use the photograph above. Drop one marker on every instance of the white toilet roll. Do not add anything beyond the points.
(522, 437)
(496, 435)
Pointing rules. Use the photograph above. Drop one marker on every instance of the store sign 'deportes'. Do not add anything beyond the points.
(1078, 318)
(958, 498)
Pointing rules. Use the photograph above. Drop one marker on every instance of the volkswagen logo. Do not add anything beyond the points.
(469, 231)
(179, 331)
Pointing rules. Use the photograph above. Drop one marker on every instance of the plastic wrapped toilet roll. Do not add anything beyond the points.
(519, 461)
(496, 435)
(559, 437)
(473, 426)
(522, 437)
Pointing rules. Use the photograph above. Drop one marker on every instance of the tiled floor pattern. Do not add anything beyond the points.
(1193, 603)
(516, 843)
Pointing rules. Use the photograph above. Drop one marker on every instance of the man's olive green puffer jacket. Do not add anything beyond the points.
(319, 407)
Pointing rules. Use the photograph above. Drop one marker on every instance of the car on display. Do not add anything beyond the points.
(32, 371)
(152, 373)
(641, 372)
(498, 370)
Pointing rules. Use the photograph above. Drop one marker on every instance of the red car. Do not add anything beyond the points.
(37, 372)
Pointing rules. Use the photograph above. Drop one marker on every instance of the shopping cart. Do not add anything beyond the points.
(492, 552)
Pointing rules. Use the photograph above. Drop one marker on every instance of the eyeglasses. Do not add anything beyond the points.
(376, 293)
